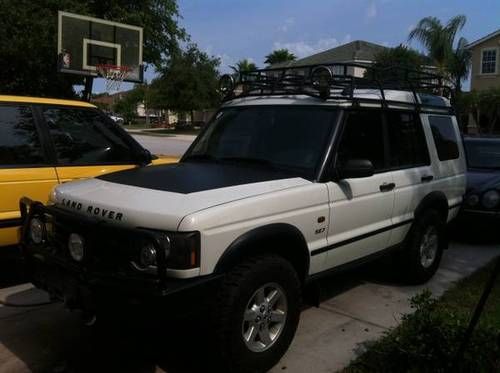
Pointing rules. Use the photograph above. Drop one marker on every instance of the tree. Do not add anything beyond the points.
(187, 82)
(127, 105)
(483, 107)
(28, 42)
(439, 40)
(279, 56)
(391, 63)
(244, 66)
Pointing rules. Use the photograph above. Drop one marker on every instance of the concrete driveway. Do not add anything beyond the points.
(356, 306)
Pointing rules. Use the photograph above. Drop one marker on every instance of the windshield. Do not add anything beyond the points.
(285, 137)
(483, 154)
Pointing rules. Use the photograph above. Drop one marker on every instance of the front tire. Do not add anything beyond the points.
(257, 313)
(425, 244)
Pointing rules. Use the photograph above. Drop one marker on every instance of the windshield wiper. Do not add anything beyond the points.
(200, 157)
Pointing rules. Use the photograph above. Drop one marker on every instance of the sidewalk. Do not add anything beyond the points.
(330, 336)
(143, 132)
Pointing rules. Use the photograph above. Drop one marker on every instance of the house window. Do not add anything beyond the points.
(489, 61)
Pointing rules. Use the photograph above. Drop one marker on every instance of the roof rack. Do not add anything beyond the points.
(336, 81)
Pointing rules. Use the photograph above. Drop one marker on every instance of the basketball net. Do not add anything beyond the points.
(113, 75)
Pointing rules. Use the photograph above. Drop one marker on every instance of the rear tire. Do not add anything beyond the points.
(257, 313)
(424, 247)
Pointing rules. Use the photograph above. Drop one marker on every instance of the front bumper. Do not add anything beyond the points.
(472, 214)
(105, 275)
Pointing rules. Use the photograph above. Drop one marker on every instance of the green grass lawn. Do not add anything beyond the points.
(427, 340)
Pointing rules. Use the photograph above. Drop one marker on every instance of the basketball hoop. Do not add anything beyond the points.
(113, 74)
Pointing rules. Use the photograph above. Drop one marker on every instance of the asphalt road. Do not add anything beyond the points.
(356, 306)
(175, 146)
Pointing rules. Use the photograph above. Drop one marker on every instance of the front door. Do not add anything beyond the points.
(360, 208)
(24, 170)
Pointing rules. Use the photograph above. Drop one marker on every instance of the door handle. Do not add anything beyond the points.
(426, 178)
(387, 187)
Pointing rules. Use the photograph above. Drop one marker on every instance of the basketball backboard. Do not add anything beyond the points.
(85, 42)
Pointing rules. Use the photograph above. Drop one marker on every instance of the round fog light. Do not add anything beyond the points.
(36, 230)
(472, 200)
(76, 247)
(491, 199)
(148, 256)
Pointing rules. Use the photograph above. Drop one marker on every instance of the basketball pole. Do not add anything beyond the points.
(87, 91)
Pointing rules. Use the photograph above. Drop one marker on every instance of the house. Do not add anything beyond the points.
(358, 52)
(485, 72)
(107, 102)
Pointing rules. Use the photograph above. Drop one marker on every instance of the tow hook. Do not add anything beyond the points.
(89, 318)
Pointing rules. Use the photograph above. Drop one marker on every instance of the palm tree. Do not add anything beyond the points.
(279, 56)
(244, 66)
(459, 64)
(438, 38)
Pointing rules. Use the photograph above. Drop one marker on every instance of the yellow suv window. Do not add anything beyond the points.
(19, 141)
(84, 136)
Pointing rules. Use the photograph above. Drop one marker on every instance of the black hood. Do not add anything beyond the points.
(191, 177)
(480, 180)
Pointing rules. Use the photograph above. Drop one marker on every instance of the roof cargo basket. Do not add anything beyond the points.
(337, 81)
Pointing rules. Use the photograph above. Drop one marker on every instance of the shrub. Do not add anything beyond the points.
(427, 341)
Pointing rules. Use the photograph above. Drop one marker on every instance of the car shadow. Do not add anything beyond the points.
(52, 339)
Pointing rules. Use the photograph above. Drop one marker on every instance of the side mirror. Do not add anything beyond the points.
(145, 157)
(356, 168)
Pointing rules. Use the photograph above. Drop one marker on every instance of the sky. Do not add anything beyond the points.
(234, 29)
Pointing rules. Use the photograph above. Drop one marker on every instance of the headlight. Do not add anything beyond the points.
(490, 199)
(181, 251)
(147, 256)
(472, 200)
(76, 247)
(36, 231)
(185, 252)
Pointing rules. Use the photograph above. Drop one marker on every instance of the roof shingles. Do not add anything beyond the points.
(355, 51)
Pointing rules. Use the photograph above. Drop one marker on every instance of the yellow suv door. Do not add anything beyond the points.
(25, 169)
(86, 143)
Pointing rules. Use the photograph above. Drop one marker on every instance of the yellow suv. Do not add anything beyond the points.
(44, 142)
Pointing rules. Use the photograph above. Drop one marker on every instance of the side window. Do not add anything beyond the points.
(82, 136)
(363, 138)
(445, 137)
(19, 141)
(407, 140)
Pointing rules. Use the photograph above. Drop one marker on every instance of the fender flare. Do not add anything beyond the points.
(436, 200)
(280, 238)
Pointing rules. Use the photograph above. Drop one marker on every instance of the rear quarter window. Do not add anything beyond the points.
(445, 137)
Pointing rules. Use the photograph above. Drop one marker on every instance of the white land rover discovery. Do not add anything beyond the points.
(298, 175)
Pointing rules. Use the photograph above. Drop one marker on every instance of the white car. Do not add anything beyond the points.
(117, 119)
(288, 183)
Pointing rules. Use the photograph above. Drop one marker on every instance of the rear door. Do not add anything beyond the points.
(411, 165)
(361, 208)
(24, 167)
(86, 143)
